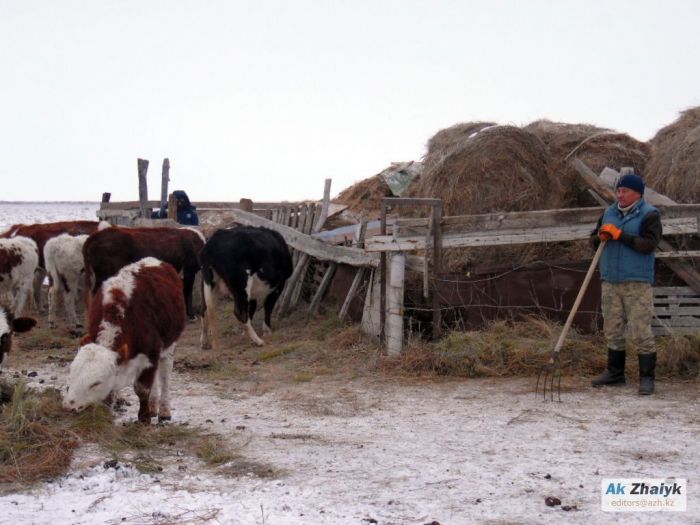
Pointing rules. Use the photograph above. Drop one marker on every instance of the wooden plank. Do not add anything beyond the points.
(678, 254)
(537, 218)
(321, 290)
(610, 177)
(359, 274)
(675, 310)
(380, 243)
(309, 245)
(673, 290)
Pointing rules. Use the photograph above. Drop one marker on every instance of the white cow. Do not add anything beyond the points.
(19, 258)
(63, 256)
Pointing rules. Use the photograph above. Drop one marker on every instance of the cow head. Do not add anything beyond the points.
(92, 377)
(8, 326)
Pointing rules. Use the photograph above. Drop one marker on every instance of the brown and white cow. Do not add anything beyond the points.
(107, 251)
(247, 264)
(135, 320)
(41, 233)
(9, 325)
(18, 262)
(66, 268)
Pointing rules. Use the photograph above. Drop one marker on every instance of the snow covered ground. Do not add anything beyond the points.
(393, 452)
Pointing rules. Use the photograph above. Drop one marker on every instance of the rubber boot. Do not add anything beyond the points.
(647, 373)
(615, 373)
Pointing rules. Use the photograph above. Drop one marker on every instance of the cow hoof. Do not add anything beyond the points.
(164, 419)
(75, 332)
(192, 318)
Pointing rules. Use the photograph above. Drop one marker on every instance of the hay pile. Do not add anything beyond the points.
(597, 147)
(675, 158)
(367, 195)
(479, 168)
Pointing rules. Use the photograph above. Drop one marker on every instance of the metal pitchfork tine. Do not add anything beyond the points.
(551, 370)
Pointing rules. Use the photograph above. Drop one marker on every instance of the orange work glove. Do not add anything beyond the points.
(609, 231)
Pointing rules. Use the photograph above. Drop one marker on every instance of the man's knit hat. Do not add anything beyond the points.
(631, 181)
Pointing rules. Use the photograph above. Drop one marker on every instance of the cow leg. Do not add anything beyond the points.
(39, 275)
(70, 297)
(208, 338)
(143, 387)
(188, 285)
(53, 306)
(240, 299)
(270, 302)
(164, 370)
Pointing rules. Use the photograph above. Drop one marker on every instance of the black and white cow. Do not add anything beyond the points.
(247, 264)
(10, 324)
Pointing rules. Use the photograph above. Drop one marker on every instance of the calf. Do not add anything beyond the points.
(64, 263)
(9, 325)
(18, 261)
(249, 264)
(41, 233)
(135, 320)
(107, 251)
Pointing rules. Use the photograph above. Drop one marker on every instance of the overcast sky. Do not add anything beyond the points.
(266, 99)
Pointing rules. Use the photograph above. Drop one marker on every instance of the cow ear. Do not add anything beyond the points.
(85, 340)
(23, 324)
(123, 354)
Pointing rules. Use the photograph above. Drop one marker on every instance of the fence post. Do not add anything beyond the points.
(164, 179)
(143, 188)
(394, 342)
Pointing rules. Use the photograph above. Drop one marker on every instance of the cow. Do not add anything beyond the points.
(66, 268)
(135, 321)
(10, 324)
(41, 233)
(248, 264)
(19, 257)
(107, 251)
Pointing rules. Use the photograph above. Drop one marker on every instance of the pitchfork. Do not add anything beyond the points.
(551, 370)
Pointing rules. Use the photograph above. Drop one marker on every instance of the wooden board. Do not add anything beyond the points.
(676, 310)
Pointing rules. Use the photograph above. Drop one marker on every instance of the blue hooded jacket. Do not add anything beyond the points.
(186, 212)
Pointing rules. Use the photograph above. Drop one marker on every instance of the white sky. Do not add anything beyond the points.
(266, 99)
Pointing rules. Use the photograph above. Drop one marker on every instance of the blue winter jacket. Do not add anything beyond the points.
(620, 262)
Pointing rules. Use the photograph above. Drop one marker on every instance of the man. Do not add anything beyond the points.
(186, 212)
(632, 229)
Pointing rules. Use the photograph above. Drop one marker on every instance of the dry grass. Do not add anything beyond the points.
(521, 348)
(675, 158)
(38, 438)
(597, 147)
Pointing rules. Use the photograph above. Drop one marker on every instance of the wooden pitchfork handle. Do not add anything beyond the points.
(577, 302)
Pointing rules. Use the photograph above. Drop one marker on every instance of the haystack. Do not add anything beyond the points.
(367, 194)
(597, 147)
(675, 158)
(479, 168)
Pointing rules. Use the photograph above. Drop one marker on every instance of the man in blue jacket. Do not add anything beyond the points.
(632, 229)
(186, 212)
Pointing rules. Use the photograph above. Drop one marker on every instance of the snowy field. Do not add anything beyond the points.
(33, 212)
(392, 452)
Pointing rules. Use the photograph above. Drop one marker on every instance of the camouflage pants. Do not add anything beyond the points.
(627, 310)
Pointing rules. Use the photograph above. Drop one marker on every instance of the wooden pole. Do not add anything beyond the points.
(382, 279)
(327, 278)
(142, 165)
(394, 343)
(164, 179)
(172, 207)
(359, 274)
(437, 264)
(246, 205)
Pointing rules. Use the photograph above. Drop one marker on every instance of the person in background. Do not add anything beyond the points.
(186, 212)
(632, 229)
